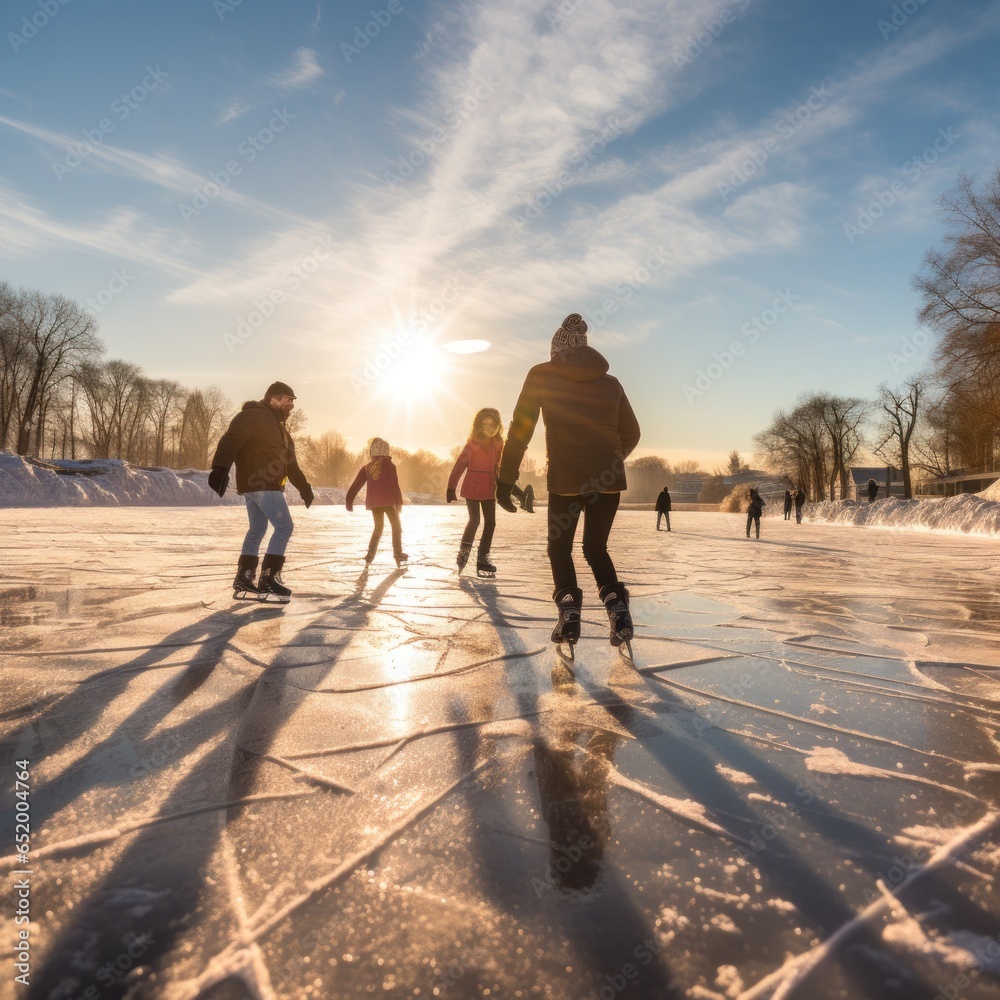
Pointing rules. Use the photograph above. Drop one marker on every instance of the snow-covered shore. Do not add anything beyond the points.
(968, 513)
(114, 483)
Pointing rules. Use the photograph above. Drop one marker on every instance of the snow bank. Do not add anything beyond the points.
(968, 513)
(113, 483)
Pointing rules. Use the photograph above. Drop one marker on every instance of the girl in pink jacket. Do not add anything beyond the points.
(480, 461)
(383, 498)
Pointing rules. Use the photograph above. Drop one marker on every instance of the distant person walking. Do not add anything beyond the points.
(754, 509)
(663, 506)
(872, 490)
(788, 505)
(383, 498)
(590, 430)
(480, 461)
(800, 499)
(264, 455)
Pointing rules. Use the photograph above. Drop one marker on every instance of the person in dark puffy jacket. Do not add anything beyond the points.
(663, 505)
(264, 454)
(872, 490)
(590, 430)
(754, 509)
(479, 460)
(383, 498)
(800, 499)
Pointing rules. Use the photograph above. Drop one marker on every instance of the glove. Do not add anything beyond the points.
(451, 496)
(503, 496)
(307, 495)
(218, 479)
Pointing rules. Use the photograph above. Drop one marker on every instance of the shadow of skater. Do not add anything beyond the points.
(573, 788)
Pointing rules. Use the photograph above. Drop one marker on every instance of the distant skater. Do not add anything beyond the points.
(480, 461)
(383, 498)
(872, 490)
(754, 510)
(800, 499)
(264, 455)
(663, 507)
(590, 430)
(788, 505)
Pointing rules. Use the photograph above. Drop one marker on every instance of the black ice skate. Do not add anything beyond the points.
(528, 499)
(401, 559)
(615, 600)
(484, 567)
(270, 589)
(566, 633)
(244, 589)
(463, 557)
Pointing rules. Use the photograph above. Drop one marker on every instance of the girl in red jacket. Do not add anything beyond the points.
(383, 498)
(480, 460)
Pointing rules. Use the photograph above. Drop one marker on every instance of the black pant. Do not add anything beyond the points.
(798, 514)
(753, 518)
(489, 524)
(599, 511)
(379, 514)
(659, 514)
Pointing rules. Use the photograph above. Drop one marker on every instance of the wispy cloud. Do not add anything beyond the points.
(305, 69)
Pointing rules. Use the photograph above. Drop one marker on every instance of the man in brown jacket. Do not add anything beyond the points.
(264, 454)
(590, 430)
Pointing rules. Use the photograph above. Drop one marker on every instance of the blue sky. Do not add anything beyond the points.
(329, 194)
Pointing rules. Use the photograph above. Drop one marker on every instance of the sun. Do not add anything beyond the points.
(417, 374)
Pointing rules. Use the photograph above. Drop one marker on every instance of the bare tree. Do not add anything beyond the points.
(164, 396)
(901, 410)
(841, 416)
(60, 336)
(202, 420)
(798, 445)
(328, 458)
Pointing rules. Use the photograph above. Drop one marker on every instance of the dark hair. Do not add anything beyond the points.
(477, 421)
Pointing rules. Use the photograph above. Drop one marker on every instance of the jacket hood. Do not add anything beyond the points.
(580, 364)
(259, 404)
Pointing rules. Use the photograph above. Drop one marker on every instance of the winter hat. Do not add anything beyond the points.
(378, 447)
(572, 333)
(278, 389)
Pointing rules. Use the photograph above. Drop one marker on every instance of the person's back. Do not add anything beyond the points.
(589, 424)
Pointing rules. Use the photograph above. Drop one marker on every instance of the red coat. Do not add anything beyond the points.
(480, 462)
(383, 484)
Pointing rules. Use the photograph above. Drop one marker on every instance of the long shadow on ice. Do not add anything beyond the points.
(128, 752)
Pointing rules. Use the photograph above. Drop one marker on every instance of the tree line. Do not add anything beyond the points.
(945, 418)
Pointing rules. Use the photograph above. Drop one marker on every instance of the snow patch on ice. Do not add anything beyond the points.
(736, 777)
(823, 709)
(960, 949)
(728, 978)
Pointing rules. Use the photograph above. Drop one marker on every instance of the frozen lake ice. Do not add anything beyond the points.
(392, 787)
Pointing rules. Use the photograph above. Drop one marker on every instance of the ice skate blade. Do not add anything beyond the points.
(245, 595)
(485, 574)
(566, 651)
(625, 650)
(273, 599)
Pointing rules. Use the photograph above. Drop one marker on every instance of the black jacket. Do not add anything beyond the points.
(590, 428)
(663, 502)
(262, 449)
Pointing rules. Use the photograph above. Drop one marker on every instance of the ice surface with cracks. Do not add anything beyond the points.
(393, 783)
